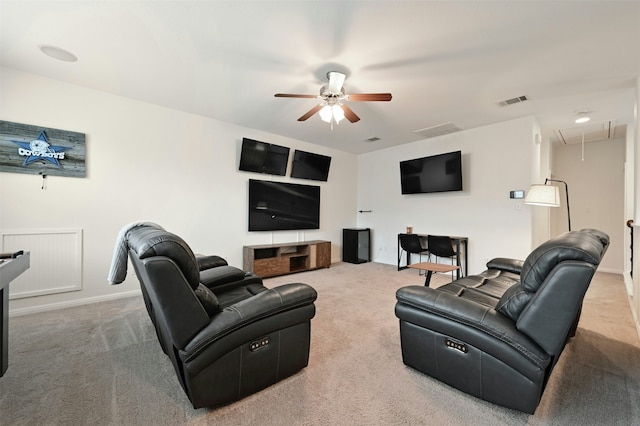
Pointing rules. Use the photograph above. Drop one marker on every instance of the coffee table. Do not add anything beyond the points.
(431, 267)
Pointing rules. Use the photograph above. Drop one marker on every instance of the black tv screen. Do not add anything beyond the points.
(263, 157)
(436, 173)
(277, 206)
(307, 165)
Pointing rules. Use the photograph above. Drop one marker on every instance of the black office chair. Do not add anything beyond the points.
(410, 243)
(442, 246)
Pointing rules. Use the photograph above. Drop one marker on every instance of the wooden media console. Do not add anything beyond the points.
(270, 260)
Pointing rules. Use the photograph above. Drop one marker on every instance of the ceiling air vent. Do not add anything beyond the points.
(513, 101)
(439, 130)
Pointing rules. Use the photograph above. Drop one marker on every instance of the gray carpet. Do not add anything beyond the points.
(101, 364)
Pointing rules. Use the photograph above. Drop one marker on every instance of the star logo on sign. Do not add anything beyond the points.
(41, 149)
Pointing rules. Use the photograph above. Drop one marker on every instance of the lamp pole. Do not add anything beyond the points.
(566, 191)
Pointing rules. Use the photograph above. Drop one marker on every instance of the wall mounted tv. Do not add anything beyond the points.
(307, 165)
(436, 173)
(277, 206)
(263, 157)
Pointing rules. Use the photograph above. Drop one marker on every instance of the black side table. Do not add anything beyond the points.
(356, 245)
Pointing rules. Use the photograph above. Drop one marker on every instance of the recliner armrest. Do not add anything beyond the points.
(210, 261)
(506, 264)
(263, 305)
(214, 277)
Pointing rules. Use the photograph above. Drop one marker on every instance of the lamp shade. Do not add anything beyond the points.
(543, 195)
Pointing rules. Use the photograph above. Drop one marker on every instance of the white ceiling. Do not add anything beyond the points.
(443, 61)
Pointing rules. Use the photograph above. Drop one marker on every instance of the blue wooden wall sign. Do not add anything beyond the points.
(41, 150)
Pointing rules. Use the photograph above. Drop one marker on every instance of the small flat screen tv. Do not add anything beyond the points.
(307, 165)
(263, 157)
(277, 206)
(436, 173)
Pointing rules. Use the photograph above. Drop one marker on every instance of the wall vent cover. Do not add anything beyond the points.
(513, 101)
(439, 130)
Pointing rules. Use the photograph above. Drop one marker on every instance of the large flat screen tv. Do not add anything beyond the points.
(277, 206)
(307, 165)
(263, 157)
(436, 173)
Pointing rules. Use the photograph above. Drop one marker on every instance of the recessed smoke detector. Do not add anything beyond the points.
(513, 101)
(439, 130)
(583, 117)
(58, 53)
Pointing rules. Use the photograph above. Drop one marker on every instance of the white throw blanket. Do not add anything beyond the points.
(118, 271)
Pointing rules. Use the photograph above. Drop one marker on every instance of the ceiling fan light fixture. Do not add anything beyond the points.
(338, 113)
(331, 113)
(333, 107)
(326, 114)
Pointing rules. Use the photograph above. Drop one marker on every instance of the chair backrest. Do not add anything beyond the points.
(411, 243)
(553, 282)
(168, 272)
(583, 246)
(440, 246)
(148, 241)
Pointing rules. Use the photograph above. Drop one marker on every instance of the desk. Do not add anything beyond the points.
(430, 268)
(460, 242)
(9, 270)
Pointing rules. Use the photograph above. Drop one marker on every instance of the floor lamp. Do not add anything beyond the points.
(548, 195)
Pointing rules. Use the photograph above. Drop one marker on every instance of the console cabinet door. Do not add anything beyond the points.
(271, 267)
(323, 255)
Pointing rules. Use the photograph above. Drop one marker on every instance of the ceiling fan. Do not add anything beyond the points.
(333, 107)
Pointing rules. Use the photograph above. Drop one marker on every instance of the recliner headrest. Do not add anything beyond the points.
(585, 245)
(149, 241)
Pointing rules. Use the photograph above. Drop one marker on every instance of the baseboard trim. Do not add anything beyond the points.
(610, 270)
(72, 303)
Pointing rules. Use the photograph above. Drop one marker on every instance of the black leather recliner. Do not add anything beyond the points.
(498, 335)
(227, 335)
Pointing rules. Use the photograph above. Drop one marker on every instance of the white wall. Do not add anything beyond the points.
(495, 159)
(596, 194)
(149, 163)
(629, 199)
(633, 283)
(541, 164)
(145, 162)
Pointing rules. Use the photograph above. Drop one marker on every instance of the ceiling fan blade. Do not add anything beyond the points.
(310, 112)
(368, 97)
(336, 80)
(289, 95)
(349, 114)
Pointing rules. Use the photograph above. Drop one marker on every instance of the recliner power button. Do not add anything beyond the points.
(456, 345)
(260, 343)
